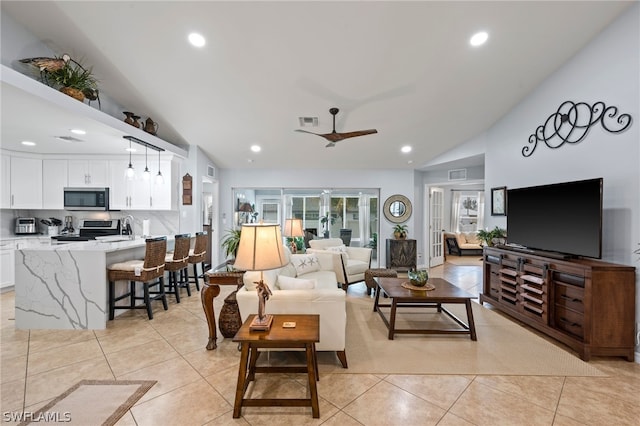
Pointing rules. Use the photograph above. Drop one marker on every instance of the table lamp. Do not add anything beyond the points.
(260, 249)
(293, 229)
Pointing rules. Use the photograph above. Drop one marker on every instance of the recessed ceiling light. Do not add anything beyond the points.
(406, 149)
(197, 40)
(479, 38)
(28, 143)
(410, 162)
(255, 148)
(78, 131)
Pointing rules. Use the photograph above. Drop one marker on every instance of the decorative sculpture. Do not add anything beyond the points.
(571, 123)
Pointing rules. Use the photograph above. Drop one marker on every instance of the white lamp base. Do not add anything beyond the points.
(264, 325)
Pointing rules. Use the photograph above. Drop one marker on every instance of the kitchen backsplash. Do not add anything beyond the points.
(160, 222)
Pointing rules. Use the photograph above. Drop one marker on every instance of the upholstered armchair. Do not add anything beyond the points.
(352, 261)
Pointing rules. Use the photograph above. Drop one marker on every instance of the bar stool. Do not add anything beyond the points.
(178, 261)
(197, 255)
(144, 271)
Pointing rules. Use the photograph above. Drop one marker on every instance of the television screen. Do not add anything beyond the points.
(564, 217)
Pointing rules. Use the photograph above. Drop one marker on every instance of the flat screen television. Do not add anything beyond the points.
(564, 218)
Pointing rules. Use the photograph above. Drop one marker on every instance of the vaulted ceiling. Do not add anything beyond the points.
(403, 68)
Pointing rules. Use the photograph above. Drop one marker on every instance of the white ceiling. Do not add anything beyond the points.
(403, 68)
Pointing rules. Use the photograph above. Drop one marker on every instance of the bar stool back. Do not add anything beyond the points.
(143, 271)
(178, 261)
(198, 255)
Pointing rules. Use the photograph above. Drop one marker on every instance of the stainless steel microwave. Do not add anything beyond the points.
(86, 199)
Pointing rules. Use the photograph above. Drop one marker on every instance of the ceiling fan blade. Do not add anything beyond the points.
(355, 134)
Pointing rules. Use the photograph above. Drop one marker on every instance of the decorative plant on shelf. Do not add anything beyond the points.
(231, 241)
(400, 232)
(74, 80)
(492, 237)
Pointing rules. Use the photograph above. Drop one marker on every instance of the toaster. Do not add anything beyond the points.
(26, 225)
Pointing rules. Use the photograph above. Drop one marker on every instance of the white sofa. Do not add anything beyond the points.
(353, 261)
(290, 296)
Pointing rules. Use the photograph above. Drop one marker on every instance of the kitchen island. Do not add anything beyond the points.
(65, 286)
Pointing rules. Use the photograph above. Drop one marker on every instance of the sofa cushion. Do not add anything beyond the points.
(460, 239)
(288, 270)
(250, 278)
(289, 283)
(354, 267)
(472, 238)
(305, 263)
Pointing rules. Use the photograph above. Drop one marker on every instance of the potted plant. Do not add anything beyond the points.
(373, 244)
(231, 241)
(74, 80)
(492, 237)
(324, 220)
(400, 232)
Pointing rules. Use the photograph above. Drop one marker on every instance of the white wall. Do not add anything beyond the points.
(606, 70)
(389, 182)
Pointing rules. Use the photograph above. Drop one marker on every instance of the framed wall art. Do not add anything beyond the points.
(499, 201)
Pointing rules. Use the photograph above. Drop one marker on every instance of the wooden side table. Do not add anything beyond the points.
(305, 335)
(211, 288)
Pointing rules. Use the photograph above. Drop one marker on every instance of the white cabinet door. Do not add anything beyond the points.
(6, 267)
(140, 188)
(5, 185)
(94, 173)
(54, 180)
(161, 196)
(26, 183)
(118, 187)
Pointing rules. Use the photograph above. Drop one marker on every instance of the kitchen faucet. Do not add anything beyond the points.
(127, 226)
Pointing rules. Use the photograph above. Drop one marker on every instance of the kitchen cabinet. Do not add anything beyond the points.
(54, 180)
(7, 256)
(5, 185)
(138, 193)
(88, 173)
(26, 183)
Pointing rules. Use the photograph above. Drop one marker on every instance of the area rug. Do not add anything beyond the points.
(92, 402)
(503, 346)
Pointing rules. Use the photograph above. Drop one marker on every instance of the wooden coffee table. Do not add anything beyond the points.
(305, 335)
(444, 292)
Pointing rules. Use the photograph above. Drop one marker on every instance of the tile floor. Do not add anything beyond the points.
(196, 386)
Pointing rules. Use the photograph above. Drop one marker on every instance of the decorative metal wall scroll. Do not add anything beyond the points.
(572, 122)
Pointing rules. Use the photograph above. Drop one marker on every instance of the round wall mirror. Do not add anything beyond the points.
(397, 208)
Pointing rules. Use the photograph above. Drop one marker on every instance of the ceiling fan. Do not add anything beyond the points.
(334, 136)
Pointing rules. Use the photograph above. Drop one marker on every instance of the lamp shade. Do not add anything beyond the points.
(245, 207)
(293, 228)
(260, 248)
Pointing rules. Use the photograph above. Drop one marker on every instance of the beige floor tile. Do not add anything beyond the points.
(287, 416)
(342, 389)
(126, 420)
(44, 340)
(60, 356)
(10, 348)
(561, 420)
(227, 419)
(140, 356)
(505, 408)
(386, 404)
(123, 338)
(192, 338)
(171, 374)
(52, 383)
(209, 362)
(341, 419)
(453, 420)
(599, 401)
(540, 390)
(193, 404)
(442, 391)
(12, 395)
(13, 368)
(225, 382)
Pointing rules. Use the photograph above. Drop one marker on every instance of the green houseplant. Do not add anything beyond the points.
(231, 241)
(74, 80)
(324, 220)
(400, 232)
(490, 237)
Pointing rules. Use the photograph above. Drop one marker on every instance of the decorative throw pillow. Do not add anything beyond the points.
(472, 238)
(461, 239)
(289, 283)
(305, 263)
(339, 249)
(288, 270)
(250, 278)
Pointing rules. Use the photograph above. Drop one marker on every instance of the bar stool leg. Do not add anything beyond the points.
(147, 302)
(164, 295)
(112, 301)
(174, 284)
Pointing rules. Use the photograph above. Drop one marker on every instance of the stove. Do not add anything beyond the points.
(90, 229)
